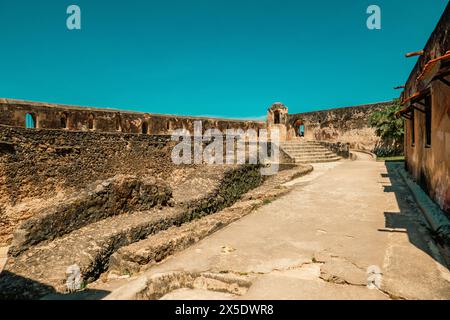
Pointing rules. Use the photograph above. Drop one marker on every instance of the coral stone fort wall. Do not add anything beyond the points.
(51, 149)
(347, 125)
(45, 147)
(56, 116)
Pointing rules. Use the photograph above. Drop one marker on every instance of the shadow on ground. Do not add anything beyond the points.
(410, 219)
(11, 288)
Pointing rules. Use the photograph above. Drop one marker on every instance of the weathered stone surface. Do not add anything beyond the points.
(3, 257)
(101, 200)
(45, 264)
(78, 118)
(89, 242)
(341, 271)
(159, 285)
(143, 254)
(56, 163)
(346, 125)
(304, 152)
(49, 165)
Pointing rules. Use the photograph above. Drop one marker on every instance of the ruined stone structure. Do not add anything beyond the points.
(427, 116)
(101, 181)
(336, 130)
(71, 147)
(19, 113)
(277, 117)
(346, 125)
(331, 127)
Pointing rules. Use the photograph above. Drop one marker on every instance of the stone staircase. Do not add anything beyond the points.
(83, 231)
(303, 152)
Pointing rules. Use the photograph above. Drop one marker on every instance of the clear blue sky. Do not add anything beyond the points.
(228, 58)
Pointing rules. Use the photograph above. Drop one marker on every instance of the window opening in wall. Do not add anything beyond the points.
(299, 127)
(276, 117)
(144, 128)
(30, 121)
(118, 123)
(91, 122)
(301, 130)
(64, 121)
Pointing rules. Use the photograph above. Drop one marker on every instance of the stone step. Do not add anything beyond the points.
(42, 269)
(318, 160)
(304, 149)
(324, 156)
(293, 146)
(304, 152)
(315, 157)
(101, 200)
(143, 254)
(39, 267)
(309, 153)
(301, 143)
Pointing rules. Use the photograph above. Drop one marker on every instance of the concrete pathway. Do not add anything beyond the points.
(320, 240)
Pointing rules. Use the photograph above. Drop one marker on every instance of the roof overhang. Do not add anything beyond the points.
(416, 98)
(434, 68)
(405, 113)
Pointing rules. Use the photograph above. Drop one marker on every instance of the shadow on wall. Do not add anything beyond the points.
(408, 220)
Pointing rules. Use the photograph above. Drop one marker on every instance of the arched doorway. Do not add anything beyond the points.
(91, 122)
(145, 127)
(118, 122)
(30, 121)
(276, 117)
(63, 119)
(299, 127)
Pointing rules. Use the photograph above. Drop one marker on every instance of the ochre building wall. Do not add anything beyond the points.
(430, 164)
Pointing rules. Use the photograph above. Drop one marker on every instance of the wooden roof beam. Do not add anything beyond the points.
(414, 54)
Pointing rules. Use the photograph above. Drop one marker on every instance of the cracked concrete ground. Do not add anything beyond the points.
(318, 241)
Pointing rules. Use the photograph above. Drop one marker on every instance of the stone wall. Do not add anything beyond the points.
(339, 148)
(44, 162)
(346, 125)
(37, 165)
(76, 118)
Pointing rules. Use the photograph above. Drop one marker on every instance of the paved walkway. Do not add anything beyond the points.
(318, 241)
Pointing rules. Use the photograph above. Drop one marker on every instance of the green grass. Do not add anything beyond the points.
(395, 159)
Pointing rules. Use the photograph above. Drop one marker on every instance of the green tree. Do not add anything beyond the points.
(389, 128)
